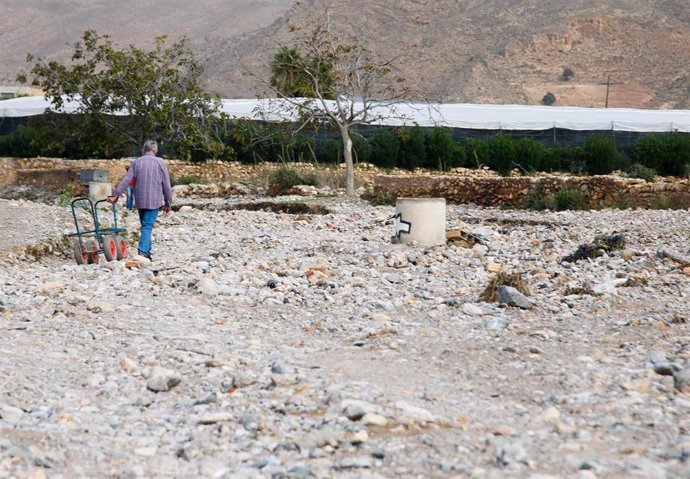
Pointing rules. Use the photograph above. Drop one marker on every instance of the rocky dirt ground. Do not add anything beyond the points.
(265, 344)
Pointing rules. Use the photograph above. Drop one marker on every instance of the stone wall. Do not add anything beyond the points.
(464, 186)
(56, 174)
(603, 191)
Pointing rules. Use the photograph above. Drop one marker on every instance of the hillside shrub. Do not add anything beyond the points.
(297, 147)
(188, 180)
(254, 141)
(668, 153)
(385, 148)
(669, 201)
(529, 155)
(332, 150)
(677, 154)
(478, 153)
(413, 148)
(22, 142)
(361, 150)
(443, 153)
(637, 170)
(281, 181)
(548, 99)
(502, 153)
(570, 199)
(537, 199)
(599, 155)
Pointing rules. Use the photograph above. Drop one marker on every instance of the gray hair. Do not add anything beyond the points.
(150, 145)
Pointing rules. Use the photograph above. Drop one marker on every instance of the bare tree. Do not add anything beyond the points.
(348, 85)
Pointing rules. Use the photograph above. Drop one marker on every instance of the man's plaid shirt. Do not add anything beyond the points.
(151, 183)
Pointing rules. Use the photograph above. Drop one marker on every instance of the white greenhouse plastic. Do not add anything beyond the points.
(465, 116)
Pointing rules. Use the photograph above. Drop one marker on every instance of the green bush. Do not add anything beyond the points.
(677, 153)
(669, 201)
(254, 141)
(649, 151)
(332, 151)
(383, 201)
(413, 149)
(537, 199)
(361, 150)
(443, 153)
(529, 154)
(188, 180)
(638, 170)
(562, 158)
(22, 142)
(385, 148)
(478, 152)
(599, 155)
(282, 180)
(570, 199)
(502, 153)
(298, 147)
(668, 153)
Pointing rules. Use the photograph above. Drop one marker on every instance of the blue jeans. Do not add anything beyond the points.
(130, 197)
(147, 219)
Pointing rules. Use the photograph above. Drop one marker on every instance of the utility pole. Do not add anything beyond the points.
(608, 87)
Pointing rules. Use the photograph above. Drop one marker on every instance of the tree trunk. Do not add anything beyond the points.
(349, 165)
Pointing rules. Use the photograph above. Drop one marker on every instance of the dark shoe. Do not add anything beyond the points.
(145, 255)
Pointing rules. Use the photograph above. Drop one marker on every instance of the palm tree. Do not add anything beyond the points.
(287, 71)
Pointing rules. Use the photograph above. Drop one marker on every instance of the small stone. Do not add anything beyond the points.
(145, 451)
(496, 323)
(127, 365)
(10, 413)
(550, 414)
(51, 288)
(321, 438)
(512, 297)
(216, 417)
(162, 380)
(243, 380)
(355, 409)
(282, 369)
(207, 398)
(380, 317)
(373, 419)
(359, 437)
(681, 380)
(361, 462)
(505, 431)
(492, 267)
(208, 287)
(510, 453)
(410, 413)
(472, 309)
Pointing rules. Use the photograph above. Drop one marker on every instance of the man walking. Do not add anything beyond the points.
(152, 191)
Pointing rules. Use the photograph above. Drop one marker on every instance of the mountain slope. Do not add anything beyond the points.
(510, 51)
(480, 51)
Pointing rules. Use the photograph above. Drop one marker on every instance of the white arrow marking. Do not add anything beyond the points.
(401, 226)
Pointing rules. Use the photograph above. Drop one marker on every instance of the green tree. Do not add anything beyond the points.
(385, 148)
(294, 76)
(134, 93)
(412, 147)
(502, 151)
(357, 91)
(599, 155)
(442, 151)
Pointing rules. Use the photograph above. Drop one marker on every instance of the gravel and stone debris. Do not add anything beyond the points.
(261, 343)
